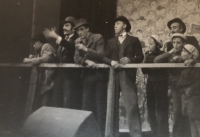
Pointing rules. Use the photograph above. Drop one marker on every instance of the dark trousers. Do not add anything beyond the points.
(129, 95)
(158, 106)
(67, 89)
(195, 127)
(95, 98)
(181, 127)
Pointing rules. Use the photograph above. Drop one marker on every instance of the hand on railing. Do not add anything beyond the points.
(91, 64)
(124, 60)
(115, 64)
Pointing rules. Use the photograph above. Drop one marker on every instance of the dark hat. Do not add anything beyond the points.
(125, 20)
(69, 19)
(81, 22)
(39, 37)
(179, 21)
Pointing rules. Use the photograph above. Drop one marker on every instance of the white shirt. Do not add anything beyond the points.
(59, 39)
(122, 37)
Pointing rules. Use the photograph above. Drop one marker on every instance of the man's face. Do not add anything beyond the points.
(175, 28)
(38, 46)
(82, 31)
(67, 29)
(119, 27)
(178, 44)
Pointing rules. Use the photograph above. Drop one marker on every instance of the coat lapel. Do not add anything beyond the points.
(116, 43)
(127, 41)
(90, 40)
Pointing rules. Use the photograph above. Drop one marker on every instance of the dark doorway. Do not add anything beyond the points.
(100, 13)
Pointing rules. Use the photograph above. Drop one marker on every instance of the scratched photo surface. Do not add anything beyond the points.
(20, 19)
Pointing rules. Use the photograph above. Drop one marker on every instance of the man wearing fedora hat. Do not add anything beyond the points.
(67, 81)
(124, 49)
(94, 81)
(121, 50)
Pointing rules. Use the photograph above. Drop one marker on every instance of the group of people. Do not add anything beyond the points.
(86, 88)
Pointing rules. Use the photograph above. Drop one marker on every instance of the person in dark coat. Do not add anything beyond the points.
(176, 25)
(189, 82)
(67, 87)
(45, 53)
(157, 91)
(94, 82)
(122, 50)
(181, 122)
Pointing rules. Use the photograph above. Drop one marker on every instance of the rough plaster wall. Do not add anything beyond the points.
(150, 17)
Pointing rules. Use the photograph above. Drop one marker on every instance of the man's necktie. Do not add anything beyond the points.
(66, 37)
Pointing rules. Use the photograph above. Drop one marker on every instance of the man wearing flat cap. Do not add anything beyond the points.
(94, 81)
(122, 50)
(67, 82)
(181, 125)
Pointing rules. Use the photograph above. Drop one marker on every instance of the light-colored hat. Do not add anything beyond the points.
(191, 50)
(155, 37)
(180, 35)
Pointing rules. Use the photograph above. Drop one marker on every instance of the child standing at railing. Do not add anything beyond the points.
(156, 89)
(189, 81)
(45, 53)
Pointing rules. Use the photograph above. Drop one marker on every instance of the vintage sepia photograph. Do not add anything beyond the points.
(100, 68)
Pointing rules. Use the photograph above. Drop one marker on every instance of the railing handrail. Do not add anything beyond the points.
(66, 65)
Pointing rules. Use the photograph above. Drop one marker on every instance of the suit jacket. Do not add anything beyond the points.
(66, 50)
(46, 55)
(95, 45)
(132, 50)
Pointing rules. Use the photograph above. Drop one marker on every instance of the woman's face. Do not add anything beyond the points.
(152, 45)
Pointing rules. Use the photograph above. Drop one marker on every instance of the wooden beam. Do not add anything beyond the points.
(63, 65)
(31, 91)
(110, 105)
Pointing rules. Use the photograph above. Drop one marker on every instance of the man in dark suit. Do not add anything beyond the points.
(94, 81)
(67, 82)
(125, 49)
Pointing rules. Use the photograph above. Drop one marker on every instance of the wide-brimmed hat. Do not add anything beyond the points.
(69, 19)
(125, 20)
(39, 37)
(81, 22)
(180, 35)
(179, 21)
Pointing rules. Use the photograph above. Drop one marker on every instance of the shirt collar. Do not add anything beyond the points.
(71, 35)
(123, 34)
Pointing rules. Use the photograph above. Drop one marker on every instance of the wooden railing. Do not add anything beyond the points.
(112, 127)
